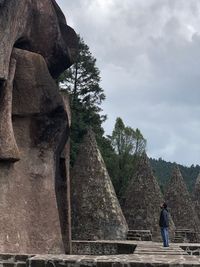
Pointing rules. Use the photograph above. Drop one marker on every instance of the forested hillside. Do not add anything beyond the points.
(162, 170)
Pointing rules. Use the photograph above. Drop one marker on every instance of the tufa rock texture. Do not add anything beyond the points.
(96, 213)
(36, 45)
(143, 199)
(179, 200)
(8, 146)
(197, 196)
(37, 26)
(63, 185)
(30, 220)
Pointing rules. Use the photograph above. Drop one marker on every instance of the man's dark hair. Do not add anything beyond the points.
(164, 205)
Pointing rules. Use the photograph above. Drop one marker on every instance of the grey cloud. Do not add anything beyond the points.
(149, 56)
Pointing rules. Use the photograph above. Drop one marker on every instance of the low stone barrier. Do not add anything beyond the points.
(101, 248)
(186, 236)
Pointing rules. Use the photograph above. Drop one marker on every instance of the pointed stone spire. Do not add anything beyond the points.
(197, 196)
(96, 213)
(180, 202)
(143, 199)
(197, 188)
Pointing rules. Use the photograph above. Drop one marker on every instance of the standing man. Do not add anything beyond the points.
(164, 224)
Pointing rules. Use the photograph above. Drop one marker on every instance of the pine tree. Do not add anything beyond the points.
(82, 80)
(82, 83)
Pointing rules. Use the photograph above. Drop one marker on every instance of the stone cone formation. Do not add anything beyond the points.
(143, 199)
(197, 196)
(96, 213)
(36, 46)
(180, 203)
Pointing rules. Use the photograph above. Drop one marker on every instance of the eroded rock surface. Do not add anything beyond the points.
(29, 220)
(37, 26)
(197, 196)
(96, 213)
(36, 45)
(8, 146)
(143, 199)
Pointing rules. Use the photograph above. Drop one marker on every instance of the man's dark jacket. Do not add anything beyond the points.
(164, 218)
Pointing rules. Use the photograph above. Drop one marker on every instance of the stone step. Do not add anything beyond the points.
(178, 240)
(185, 235)
(139, 231)
(161, 253)
(139, 235)
(135, 236)
(183, 230)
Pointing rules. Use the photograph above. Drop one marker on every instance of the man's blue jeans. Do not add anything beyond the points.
(165, 236)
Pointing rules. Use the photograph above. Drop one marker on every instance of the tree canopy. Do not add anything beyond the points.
(82, 83)
(129, 144)
(82, 80)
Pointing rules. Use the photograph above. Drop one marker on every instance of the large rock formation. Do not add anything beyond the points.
(37, 26)
(34, 127)
(143, 199)
(96, 213)
(179, 200)
(197, 196)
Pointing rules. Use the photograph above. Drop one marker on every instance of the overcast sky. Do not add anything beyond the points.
(148, 52)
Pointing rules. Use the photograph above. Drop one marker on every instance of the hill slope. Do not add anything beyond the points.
(163, 170)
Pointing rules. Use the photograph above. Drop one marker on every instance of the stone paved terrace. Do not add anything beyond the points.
(146, 254)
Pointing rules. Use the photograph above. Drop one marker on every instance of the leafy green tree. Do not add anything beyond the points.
(140, 143)
(82, 83)
(129, 144)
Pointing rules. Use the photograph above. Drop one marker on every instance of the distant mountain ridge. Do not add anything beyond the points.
(163, 171)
